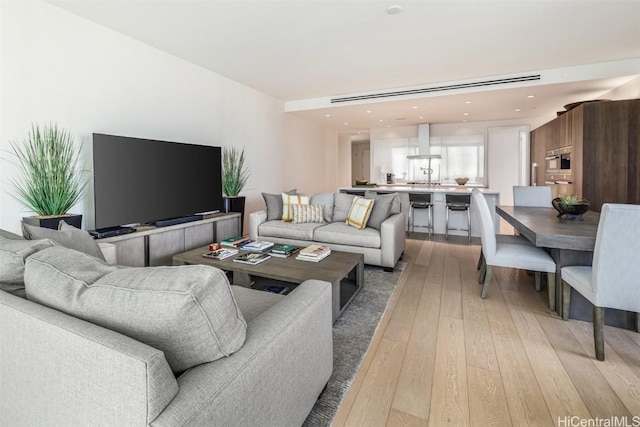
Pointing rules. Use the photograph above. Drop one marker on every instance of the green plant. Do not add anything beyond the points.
(51, 181)
(235, 172)
(571, 200)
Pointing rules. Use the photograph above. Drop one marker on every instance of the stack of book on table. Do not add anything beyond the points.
(252, 258)
(257, 246)
(221, 253)
(236, 242)
(283, 251)
(314, 253)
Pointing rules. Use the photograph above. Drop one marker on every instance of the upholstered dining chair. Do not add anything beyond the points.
(532, 196)
(510, 255)
(613, 279)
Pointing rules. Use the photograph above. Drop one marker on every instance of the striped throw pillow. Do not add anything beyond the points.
(291, 199)
(360, 212)
(307, 213)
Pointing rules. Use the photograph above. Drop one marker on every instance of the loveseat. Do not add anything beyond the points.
(381, 241)
(95, 344)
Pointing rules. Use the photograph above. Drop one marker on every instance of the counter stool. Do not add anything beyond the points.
(457, 203)
(421, 201)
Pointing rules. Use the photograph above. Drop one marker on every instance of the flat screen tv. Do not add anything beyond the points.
(138, 181)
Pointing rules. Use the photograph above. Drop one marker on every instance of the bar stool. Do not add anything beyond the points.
(421, 201)
(457, 203)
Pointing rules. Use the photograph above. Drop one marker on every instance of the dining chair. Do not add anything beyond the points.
(510, 255)
(532, 196)
(613, 279)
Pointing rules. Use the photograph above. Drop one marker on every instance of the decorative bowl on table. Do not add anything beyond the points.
(571, 207)
(462, 180)
(362, 181)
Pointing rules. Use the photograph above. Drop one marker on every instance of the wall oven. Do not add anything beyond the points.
(559, 160)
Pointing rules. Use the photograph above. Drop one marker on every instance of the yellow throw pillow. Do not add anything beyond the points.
(360, 212)
(291, 199)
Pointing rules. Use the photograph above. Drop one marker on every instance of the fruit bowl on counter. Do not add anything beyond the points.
(461, 180)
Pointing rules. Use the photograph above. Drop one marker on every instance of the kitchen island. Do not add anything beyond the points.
(438, 192)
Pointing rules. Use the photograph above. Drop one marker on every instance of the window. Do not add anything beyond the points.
(461, 156)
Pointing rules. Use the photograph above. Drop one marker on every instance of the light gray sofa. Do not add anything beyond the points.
(382, 242)
(58, 369)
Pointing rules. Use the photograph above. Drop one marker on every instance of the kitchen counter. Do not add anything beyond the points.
(456, 219)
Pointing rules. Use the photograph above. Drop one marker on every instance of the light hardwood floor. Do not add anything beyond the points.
(443, 356)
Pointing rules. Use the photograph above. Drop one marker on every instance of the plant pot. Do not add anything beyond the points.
(235, 204)
(53, 221)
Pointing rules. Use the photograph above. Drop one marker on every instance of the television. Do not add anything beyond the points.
(140, 181)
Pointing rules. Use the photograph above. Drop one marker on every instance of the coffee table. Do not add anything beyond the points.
(344, 270)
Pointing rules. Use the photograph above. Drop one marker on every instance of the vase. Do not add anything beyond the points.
(53, 221)
(235, 204)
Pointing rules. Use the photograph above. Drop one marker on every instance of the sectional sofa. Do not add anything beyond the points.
(100, 344)
(382, 241)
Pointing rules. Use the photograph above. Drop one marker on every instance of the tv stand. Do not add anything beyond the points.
(149, 245)
(174, 221)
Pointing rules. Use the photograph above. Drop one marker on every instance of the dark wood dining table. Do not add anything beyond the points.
(569, 242)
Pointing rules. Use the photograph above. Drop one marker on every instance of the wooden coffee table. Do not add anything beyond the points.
(344, 270)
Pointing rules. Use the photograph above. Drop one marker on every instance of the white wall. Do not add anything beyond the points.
(58, 67)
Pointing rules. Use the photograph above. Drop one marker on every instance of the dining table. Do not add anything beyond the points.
(569, 242)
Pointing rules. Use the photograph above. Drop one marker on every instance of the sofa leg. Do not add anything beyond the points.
(388, 269)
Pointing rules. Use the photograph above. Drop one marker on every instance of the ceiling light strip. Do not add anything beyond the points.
(438, 88)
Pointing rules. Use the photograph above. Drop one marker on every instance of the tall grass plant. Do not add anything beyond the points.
(235, 172)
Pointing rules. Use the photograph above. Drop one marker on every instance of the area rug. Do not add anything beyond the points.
(352, 336)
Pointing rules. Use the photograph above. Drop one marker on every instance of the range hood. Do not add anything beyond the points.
(423, 144)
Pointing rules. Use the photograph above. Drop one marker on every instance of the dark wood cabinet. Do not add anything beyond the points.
(605, 158)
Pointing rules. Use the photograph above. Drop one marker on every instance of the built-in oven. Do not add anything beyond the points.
(559, 160)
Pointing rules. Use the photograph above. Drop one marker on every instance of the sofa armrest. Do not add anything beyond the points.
(392, 239)
(255, 219)
(57, 369)
(276, 376)
(109, 252)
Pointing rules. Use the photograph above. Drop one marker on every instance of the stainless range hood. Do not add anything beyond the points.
(423, 144)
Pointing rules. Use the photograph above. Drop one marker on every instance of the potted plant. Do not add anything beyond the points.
(51, 179)
(235, 174)
(573, 207)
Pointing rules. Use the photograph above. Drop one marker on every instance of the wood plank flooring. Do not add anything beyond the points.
(443, 356)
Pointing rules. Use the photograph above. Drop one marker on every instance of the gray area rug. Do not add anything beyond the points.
(352, 335)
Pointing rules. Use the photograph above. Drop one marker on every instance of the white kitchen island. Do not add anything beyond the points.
(456, 219)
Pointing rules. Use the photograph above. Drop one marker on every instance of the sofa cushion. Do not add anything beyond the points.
(341, 206)
(381, 209)
(292, 199)
(288, 230)
(340, 233)
(13, 253)
(188, 312)
(326, 200)
(273, 203)
(67, 236)
(307, 213)
(360, 212)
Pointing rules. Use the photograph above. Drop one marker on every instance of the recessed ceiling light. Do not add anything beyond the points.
(466, 114)
(421, 117)
(468, 102)
(414, 107)
(346, 123)
(368, 111)
(517, 109)
(327, 115)
(381, 120)
(388, 126)
(531, 96)
(394, 10)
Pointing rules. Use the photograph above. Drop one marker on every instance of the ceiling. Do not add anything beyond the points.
(308, 52)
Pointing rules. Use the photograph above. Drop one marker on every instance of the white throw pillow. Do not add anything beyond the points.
(307, 213)
(360, 212)
(292, 199)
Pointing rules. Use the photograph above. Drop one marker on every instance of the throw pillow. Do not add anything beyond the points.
(188, 312)
(292, 199)
(360, 212)
(8, 235)
(273, 203)
(67, 236)
(326, 200)
(381, 209)
(13, 254)
(307, 213)
(342, 206)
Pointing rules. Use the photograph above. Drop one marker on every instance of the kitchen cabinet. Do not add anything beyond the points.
(605, 159)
